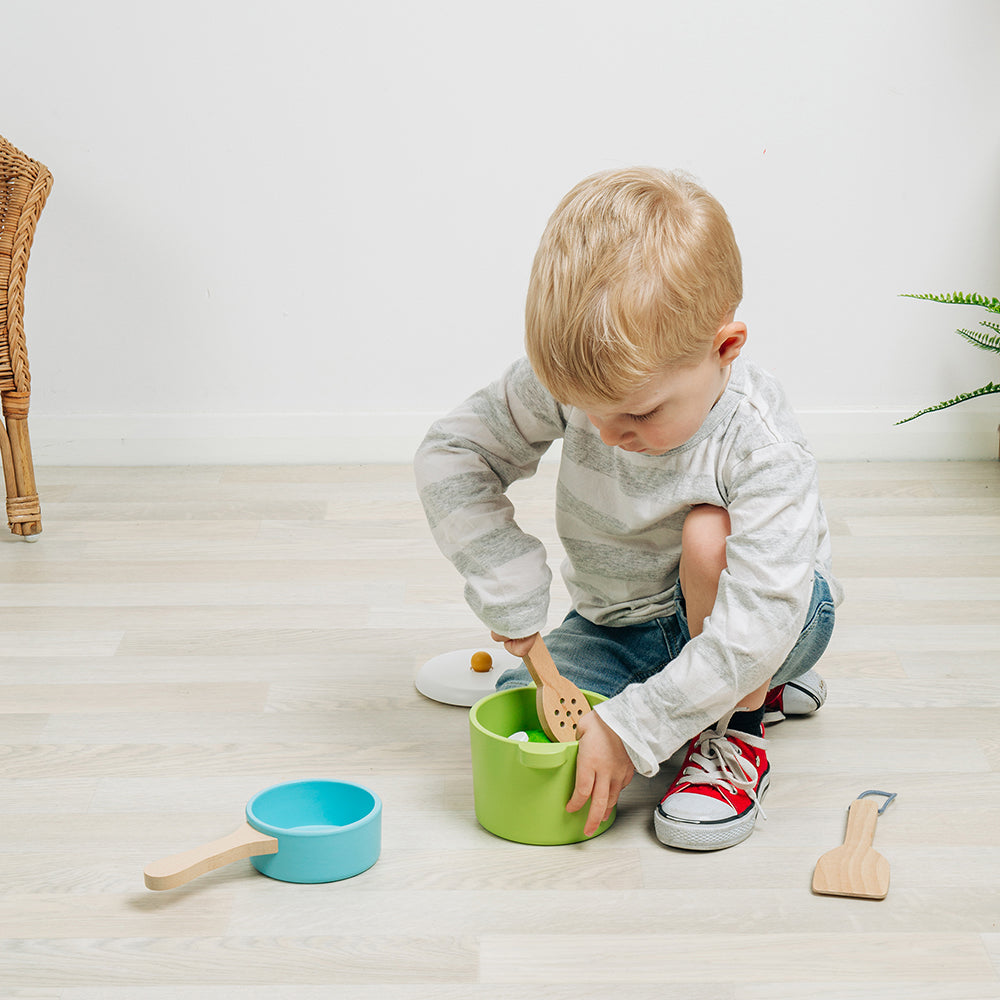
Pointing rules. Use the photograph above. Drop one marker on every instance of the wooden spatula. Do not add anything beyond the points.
(559, 702)
(855, 868)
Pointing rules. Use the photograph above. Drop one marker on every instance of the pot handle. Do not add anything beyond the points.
(543, 756)
(246, 842)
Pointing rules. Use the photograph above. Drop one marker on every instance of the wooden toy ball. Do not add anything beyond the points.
(481, 662)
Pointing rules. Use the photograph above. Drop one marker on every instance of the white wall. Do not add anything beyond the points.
(298, 231)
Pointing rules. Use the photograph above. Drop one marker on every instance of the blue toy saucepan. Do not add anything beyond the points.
(301, 831)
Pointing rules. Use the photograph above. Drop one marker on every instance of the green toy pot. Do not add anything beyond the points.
(521, 789)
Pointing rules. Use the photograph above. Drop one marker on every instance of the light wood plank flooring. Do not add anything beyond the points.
(180, 639)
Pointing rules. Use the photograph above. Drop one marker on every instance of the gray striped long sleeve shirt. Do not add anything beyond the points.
(619, 516)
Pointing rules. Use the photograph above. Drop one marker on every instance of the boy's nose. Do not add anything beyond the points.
(611, 434)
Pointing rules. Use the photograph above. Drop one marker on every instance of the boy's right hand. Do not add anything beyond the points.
(516, 647)
(603, 769)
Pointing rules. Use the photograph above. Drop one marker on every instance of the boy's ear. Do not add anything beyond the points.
(729, 342)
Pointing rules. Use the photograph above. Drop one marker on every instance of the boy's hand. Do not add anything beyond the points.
(516, 647)
(603, 769)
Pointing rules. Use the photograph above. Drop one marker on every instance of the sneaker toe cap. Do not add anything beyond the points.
(690, 807)
(803, 696)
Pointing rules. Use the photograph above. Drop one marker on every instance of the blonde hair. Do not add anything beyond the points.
(636, 271)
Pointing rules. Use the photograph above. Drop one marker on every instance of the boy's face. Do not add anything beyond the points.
(669, 409)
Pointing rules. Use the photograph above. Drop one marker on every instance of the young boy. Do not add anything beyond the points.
(697, 550)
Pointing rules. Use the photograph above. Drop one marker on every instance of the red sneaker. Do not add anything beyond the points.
(801, 696)
(715, 798)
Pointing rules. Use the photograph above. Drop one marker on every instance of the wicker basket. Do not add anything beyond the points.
(24, 186)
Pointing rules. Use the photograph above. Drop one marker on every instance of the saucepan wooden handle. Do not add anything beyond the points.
(246, 842)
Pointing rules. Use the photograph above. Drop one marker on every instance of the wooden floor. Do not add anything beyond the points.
(180, 639)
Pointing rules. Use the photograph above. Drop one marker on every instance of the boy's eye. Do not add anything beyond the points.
(640, 417)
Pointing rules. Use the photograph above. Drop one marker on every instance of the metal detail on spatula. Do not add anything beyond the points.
(559, 702)
(855, 868)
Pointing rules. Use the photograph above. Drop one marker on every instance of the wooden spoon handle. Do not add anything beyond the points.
(540, 664)
(246, 842)
(862, 818)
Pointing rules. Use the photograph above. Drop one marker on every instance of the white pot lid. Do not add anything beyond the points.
(449, 677)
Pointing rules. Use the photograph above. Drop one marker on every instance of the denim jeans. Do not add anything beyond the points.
(606, 659)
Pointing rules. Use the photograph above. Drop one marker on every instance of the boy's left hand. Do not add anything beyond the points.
(603, 769)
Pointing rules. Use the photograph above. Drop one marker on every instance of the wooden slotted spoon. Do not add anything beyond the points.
(559, 702)
(855, 868)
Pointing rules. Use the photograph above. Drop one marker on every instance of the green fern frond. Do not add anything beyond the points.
(984, 341)
(990, 387)
(959, 299)
(978, 338)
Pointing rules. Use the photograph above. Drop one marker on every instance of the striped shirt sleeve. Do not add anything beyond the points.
(464, 466)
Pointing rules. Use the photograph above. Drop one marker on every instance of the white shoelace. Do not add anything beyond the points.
(717, 761)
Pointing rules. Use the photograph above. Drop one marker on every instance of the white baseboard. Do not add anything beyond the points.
(958, 434)
(227, 438)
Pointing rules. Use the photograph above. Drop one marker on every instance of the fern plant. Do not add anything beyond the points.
(983, 339)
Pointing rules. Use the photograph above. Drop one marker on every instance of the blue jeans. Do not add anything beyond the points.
(606, 659)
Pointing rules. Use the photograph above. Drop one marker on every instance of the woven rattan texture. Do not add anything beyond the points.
(24, 187)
